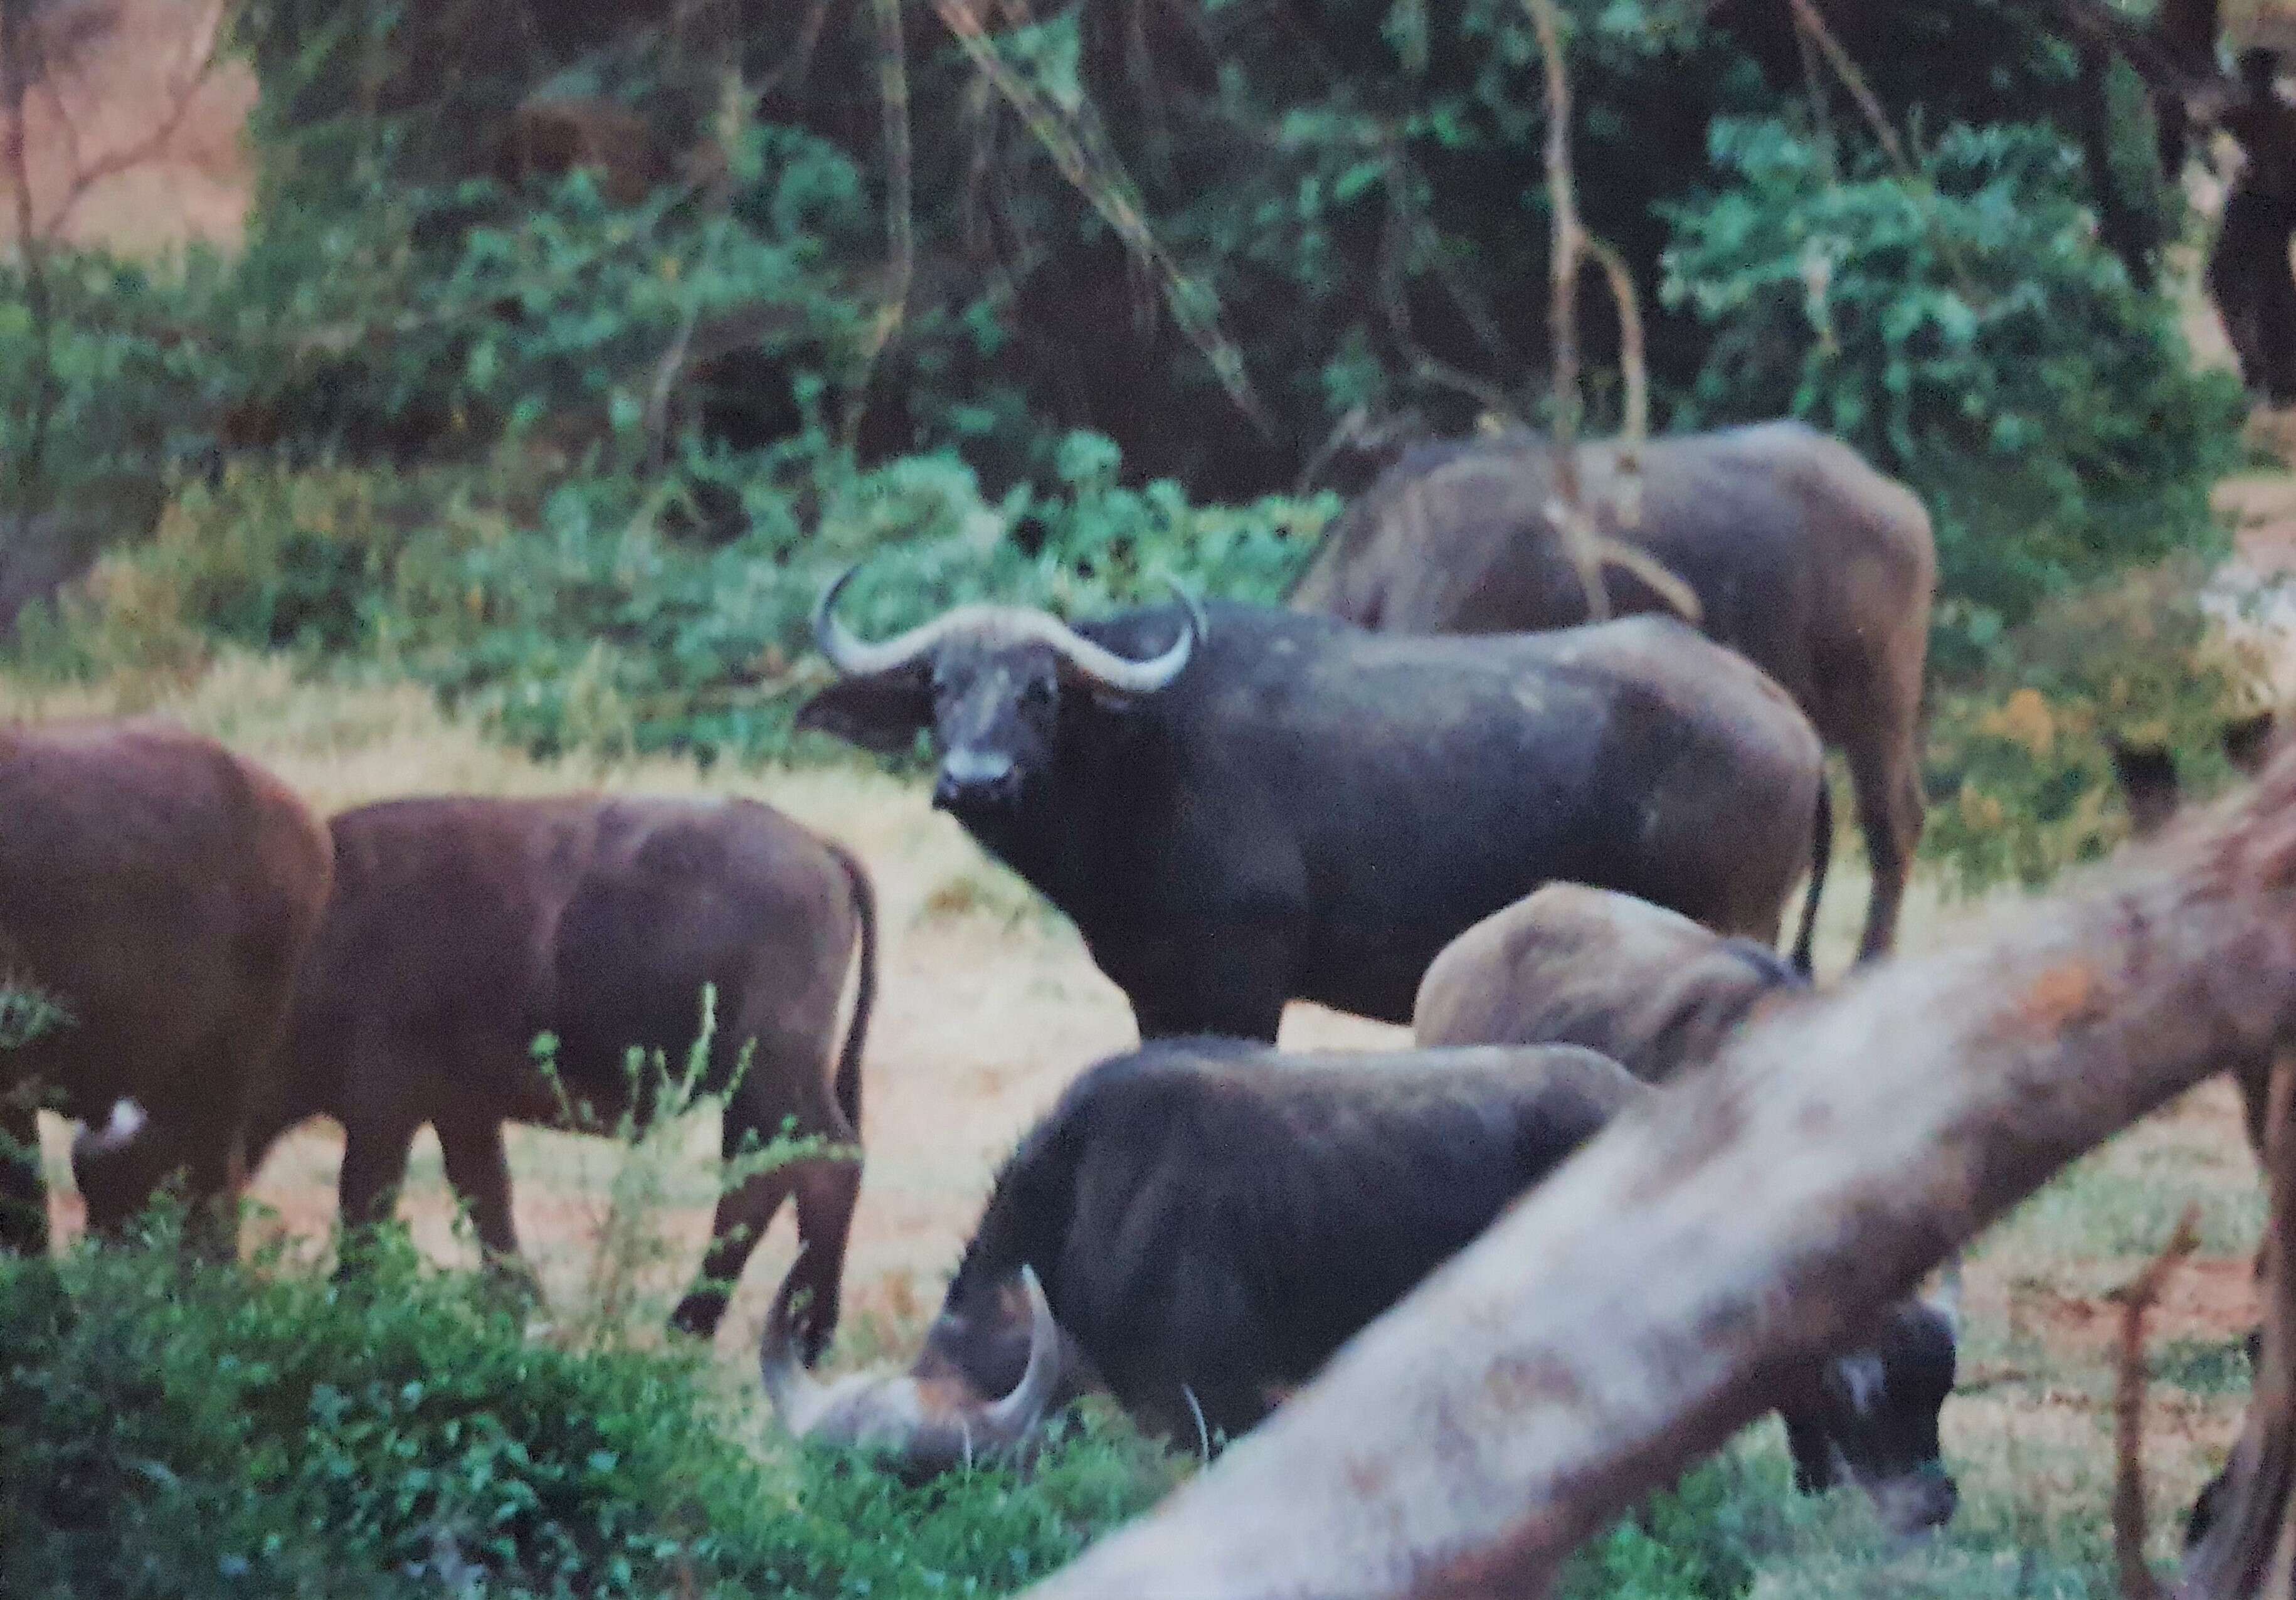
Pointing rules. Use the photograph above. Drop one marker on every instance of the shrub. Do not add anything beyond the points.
(567, 614)
(2019, 775)
(1963, 329)
(172, 1429)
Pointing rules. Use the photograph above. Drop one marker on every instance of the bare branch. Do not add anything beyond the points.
(1568, 511)
(2240, 1550)
(1610, 1331)
(1097, 176)
(900, 205)
(2129, 1515)
(200, 60)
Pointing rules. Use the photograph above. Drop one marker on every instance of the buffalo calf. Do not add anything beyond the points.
(1199, 1226)
(1573, 965)
(159, 891)
(460, 929)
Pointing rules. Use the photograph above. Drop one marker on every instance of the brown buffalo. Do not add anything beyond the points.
(1803, 558)
(159, 891)
(460, 929)
(1573, 965)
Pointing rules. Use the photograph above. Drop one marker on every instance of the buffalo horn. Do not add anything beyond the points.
(798, 1397)
(854, 657)
(1012, 1419)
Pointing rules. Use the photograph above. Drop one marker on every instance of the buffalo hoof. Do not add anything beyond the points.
(698, 1314)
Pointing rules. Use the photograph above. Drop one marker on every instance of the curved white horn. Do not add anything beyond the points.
(1017, 1415)
(854, 657)
(1105, 666)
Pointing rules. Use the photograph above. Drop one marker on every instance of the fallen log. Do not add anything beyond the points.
(1635, 1311)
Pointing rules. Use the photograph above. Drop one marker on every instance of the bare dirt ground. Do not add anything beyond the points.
(133, 135)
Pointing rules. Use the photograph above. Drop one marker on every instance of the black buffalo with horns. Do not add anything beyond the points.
(1199, 1225)
(1240, 806)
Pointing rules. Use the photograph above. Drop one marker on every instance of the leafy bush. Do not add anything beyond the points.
(2020, 774)
(1964, 331)
(171, 1429)
(565, 615)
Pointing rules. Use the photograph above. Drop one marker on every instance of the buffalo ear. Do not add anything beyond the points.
(882, 711)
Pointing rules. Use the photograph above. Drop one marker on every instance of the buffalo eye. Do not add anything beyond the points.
(1036, 692)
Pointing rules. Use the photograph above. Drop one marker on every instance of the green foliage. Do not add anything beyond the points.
(1702, 1542)
(28, 1014)
(2203, 1365)
(1963, 329)
(567, 615)
(2018, 767)
(167, 1430)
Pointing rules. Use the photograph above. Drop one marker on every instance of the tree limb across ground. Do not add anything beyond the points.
(1628, 1319)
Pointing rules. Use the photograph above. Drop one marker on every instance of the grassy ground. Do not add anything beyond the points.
(989, 1004)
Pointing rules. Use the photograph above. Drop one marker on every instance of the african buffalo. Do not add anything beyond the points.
(462, 928)
(159, 891)
(1239, 806)
(1198, 1225)
(1801, 555)
(1572, 965)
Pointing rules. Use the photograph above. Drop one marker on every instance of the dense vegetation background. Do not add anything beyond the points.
(571, 348)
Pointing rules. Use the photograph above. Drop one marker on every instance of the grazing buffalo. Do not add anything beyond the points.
(1241, 806)
(1197, 1227)
(1572, 965)
(1801, 555)
(460, 929)
(158, 891)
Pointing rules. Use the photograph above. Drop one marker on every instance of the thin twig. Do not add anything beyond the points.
(1099, 178)
(2137, 1298)
(1813, 25)
(1426, 366)
(1568, 511)
(900, 207)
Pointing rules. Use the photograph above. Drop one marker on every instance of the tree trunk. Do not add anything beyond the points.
(1647, 1301)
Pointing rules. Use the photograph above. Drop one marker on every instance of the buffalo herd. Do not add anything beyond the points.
(1426, 791)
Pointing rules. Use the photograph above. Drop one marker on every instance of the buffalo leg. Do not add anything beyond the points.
(744, 1212)
(1889, 812)
(374, 1165)
(1812, 1452)
(826, 1193)
(478, 1168)
(23, 1197)
(1231, 981)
